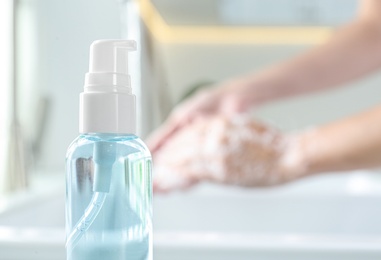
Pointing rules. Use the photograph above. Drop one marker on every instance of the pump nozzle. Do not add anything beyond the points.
(110, 56)
(109, 62)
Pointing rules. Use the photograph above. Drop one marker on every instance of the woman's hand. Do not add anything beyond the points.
(228, 99)
(236, 151)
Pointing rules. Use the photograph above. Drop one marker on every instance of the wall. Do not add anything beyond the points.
(56, 52)
(189, 64)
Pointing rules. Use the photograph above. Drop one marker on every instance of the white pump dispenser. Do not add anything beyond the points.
(107, 104)
(108, 167)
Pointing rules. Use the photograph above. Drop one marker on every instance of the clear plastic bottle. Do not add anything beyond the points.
(122, 228)
(109, 180)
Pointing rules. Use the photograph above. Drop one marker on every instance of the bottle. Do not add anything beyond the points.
(108, 180)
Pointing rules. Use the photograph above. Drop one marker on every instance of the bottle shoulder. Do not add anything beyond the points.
(127, 144)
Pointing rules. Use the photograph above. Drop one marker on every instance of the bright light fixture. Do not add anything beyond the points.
(166, 33)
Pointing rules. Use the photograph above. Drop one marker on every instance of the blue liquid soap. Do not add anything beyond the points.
(109, 179)
(122, 226)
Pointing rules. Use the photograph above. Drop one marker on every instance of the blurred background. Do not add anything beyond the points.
(187, 43)
(184, 43)
(44, 50)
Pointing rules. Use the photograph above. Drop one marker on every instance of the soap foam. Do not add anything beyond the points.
(238, 151)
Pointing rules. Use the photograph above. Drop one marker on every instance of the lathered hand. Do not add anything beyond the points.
(236, 151)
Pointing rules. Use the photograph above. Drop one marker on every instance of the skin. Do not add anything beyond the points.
(352, 143)
(348, 144)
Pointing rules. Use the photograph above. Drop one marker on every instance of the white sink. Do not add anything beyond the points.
(327, 217)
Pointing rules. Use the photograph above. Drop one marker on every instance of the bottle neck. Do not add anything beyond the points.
(112, 113)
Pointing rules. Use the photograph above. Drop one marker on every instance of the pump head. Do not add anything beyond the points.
(110, 56)
(108, 64)
(107, 104)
